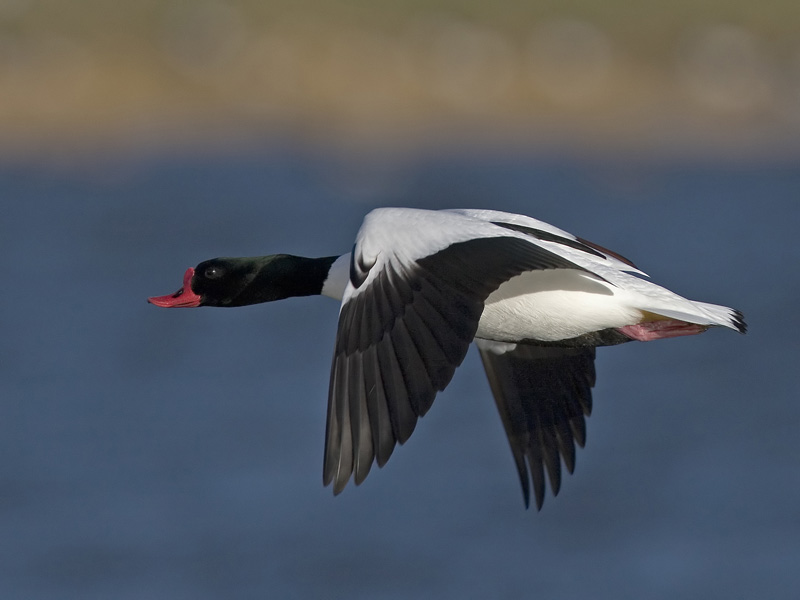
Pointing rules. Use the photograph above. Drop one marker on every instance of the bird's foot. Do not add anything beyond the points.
(656, 330)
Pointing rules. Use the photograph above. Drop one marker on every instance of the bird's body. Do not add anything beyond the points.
(421, 285)
(552, 305)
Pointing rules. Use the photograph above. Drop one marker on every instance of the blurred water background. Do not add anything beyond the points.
(177, 454)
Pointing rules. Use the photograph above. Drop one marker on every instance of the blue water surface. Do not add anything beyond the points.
(176, 454)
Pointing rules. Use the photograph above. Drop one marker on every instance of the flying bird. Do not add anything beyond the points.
(420, 286)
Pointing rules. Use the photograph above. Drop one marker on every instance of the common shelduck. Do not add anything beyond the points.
(420, 286)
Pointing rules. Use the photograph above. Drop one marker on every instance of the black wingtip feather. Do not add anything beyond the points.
(543, 395)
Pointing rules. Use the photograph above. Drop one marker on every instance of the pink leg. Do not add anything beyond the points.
(656, 330)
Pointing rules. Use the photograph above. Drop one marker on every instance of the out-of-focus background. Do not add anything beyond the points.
(177, 454)
(100, 73)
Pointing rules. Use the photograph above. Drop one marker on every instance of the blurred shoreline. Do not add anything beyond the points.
(209, 74)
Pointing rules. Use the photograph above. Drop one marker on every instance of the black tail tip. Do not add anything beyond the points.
(738, 321)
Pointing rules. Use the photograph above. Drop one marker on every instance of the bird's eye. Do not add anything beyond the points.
(213, 272)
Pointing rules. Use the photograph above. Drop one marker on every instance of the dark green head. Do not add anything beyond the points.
(250, 280)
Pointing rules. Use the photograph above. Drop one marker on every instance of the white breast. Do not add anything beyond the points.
(337, 279)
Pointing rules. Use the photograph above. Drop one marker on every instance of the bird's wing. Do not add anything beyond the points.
(418, 281)
(549, 233)
(543, 394)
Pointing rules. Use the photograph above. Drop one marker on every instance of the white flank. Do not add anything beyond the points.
(553, 305)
